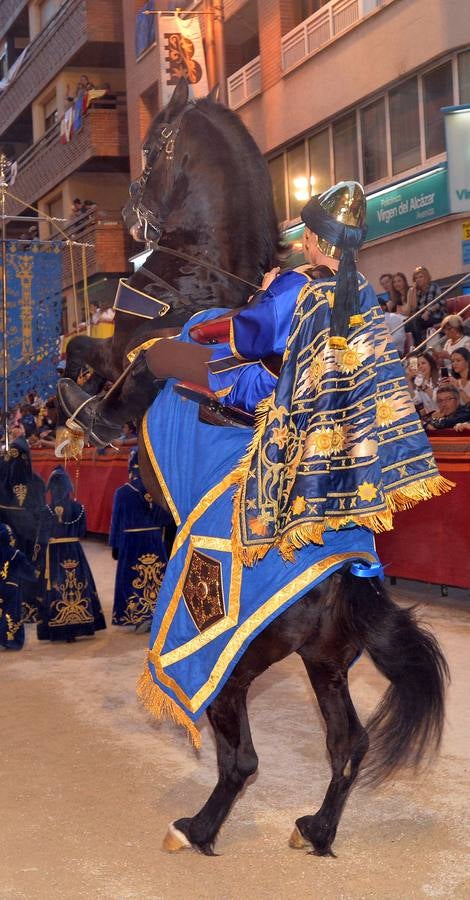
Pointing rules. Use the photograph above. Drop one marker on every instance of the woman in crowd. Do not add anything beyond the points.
(399, 291)
(423, 291)
(460, 373)
(455, 338)
(423, 383)
(71, 606)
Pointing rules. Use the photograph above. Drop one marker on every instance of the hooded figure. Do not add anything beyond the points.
(138, 537)
(22, 497)
(71, 607)
(15, 571)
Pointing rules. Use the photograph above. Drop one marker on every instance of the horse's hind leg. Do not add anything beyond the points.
(236, 759)
(347, 744)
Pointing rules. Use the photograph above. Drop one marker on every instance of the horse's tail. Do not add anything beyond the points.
(407, 725)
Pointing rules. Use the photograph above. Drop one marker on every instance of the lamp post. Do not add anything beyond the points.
(3, 186)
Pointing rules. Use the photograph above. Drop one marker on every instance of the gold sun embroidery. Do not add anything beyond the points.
(367, 491)
(349, 360)
(299, 506)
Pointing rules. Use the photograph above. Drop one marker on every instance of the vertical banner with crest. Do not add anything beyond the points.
(34, 282)
(181, 54)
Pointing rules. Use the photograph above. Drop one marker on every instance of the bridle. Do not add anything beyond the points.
(165, 143)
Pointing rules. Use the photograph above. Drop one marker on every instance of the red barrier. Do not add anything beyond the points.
(431, 542)
(95, 478)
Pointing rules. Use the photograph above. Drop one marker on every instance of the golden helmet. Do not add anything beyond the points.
(345, 202)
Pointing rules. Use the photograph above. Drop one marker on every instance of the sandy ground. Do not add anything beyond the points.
(89, 783)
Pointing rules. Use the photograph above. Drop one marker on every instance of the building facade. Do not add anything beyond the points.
(63, 122)
(337, 89)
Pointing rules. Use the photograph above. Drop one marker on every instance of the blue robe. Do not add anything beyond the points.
(15, 571)
(70, 603)
(137, 537)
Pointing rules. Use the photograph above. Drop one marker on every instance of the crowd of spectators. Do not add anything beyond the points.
(438, 372)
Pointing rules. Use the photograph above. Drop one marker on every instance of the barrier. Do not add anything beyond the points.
(429, 543)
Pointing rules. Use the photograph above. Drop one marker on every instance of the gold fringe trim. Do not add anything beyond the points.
(404, 497)
(162, 706)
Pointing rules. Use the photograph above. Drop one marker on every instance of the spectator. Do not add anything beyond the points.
(453, 329)
(399, 291)
(386, 285)
(449, 410)
(128, 436)
(460, 373)
(27, 419)
(423, 383)
(396, 326)
(88, 206)
(422, 292)
(76, 208)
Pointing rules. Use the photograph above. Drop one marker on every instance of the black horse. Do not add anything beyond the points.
(204, 197)
(328, 627)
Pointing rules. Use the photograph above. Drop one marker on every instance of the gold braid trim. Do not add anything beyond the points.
(404, 497)
(161, 706)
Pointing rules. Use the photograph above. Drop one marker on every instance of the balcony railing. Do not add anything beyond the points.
(324, 25)
(48, 162)
(74, 25)
(109, 250)
(244, 84)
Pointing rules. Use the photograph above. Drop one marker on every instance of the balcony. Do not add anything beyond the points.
(244, 84)
(111, 246)
(9, 12)
(48, 162)
(320, 28)
(80, 33)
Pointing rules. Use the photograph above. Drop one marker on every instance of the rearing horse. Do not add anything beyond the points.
(204, 196)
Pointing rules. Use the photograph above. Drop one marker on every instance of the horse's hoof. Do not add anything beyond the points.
(175, 840)
(297, 840)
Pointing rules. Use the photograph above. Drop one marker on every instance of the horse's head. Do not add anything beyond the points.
(152, 194)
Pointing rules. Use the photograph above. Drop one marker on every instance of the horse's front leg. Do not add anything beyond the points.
(347, 743)
(236, 759)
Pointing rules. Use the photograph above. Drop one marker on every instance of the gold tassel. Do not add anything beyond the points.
(356, 320)
(162, 706)
(337, 343)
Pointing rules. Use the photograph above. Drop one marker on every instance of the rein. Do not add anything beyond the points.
(199, 262)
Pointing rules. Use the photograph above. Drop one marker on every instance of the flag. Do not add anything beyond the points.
(34, 282)
(181, 54)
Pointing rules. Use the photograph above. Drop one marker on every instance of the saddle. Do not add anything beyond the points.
(211, 412)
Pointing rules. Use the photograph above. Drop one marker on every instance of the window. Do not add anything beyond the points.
(276, 170)
(464, 77)
(345, 148)
(54, 209)
(319, 155)
(50, 113)
(404, 126)
(297, 179)
(437, 92)
(374, 142)
(303, 9)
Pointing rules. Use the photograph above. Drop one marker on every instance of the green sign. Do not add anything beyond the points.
(406, 205)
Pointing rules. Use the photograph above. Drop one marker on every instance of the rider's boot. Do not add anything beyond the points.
(88, 412)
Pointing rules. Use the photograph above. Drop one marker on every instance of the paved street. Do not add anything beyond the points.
(89, 783)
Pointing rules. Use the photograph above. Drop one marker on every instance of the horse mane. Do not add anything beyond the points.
(236, 133)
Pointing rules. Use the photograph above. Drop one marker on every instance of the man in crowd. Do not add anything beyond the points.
(449, 411)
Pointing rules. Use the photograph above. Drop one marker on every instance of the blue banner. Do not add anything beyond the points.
(144, 29)
(34, 282)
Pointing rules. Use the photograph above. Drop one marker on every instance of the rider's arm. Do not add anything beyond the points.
(261, 329)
